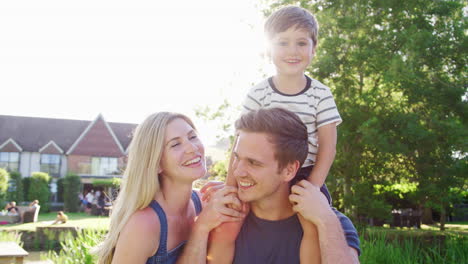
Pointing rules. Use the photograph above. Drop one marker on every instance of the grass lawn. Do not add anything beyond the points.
(80, 220)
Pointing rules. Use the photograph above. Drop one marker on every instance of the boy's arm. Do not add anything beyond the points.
(326, 154)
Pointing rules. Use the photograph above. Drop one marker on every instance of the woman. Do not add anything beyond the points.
(155, 211)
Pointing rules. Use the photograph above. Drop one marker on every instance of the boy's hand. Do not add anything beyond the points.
(308, 201)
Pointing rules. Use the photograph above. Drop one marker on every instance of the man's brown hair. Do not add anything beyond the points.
(285, 131)
(290, 16)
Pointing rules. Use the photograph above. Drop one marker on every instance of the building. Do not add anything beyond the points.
(91, 149)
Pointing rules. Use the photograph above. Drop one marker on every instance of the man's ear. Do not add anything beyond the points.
(291, 170)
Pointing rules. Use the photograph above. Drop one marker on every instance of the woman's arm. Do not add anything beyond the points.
(213, 214)
(139, 239)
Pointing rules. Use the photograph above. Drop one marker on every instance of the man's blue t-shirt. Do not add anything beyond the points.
(278, 242)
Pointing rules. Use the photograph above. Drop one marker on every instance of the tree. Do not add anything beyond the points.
(4, 177)
(223, 116)
(39, 190)
(15, 188)
(72, 187)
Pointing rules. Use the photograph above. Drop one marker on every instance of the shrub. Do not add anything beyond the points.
(219, 170)
(114, 182)
(39, 189)
(78, 250)
(72, 188)
(8, 236)
(15, 188)
(60, 189)
(26, 183)
(4, 177)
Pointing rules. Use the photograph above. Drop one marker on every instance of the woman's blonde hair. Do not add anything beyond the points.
(140, 181)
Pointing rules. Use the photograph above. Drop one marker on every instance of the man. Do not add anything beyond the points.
(270, 148)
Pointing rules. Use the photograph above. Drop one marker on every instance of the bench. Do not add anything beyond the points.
(407, 217)
(26, 213)
(12, 253)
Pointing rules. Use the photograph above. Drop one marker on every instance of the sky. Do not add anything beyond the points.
(128, 59)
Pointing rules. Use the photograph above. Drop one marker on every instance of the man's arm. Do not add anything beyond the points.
(326, 154)
(313, 206)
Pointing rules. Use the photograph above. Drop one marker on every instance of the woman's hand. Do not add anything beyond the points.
(209, 189)
(219, 209)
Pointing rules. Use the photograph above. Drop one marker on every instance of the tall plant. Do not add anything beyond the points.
(15, 188)
(39, 189)
(4, 176)
(72, 187)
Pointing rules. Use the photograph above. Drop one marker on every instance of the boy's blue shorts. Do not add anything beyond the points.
(303, 174)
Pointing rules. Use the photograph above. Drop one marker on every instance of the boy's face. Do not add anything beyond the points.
(256, 168)
(292, 51)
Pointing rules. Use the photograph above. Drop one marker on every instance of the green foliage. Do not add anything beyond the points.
(114, 182)
(379, 248)
(4, 177)
(72, 186)
(26, 183)
(223, 115)
(218, 171)
(39, 189)
(60, 189)
(15, 188)
(77, 250)
(11, 236)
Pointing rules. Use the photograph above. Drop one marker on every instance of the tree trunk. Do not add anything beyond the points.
(427, 216)
(443, 216)
(347, 195)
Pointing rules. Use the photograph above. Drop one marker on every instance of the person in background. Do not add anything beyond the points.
(61, 218)
(34, 204)
(13, 210)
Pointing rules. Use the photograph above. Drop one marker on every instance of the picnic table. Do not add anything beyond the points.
(10, 251)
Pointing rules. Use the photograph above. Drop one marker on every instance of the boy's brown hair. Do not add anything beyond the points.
(285, 129)
(290, 16)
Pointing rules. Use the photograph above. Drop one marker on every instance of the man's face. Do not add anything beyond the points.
(255, 168)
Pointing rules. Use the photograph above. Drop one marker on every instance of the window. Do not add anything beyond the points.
(9, 161)
(104, 166)
(50, 163)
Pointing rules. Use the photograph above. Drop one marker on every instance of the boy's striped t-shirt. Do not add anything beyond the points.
(314, 105)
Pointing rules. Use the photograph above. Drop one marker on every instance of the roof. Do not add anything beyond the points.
(32, 133)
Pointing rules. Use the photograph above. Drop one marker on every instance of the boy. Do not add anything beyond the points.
(292, 35)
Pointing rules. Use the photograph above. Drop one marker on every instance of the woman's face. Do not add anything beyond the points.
(184, 155)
